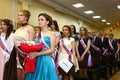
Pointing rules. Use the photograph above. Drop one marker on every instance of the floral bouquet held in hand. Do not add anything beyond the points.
(28, 47)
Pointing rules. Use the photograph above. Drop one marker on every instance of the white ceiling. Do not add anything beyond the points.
(107, 9)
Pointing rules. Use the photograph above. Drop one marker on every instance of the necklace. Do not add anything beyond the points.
(24, 24)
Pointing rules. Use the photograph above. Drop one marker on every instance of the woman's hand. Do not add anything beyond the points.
(78, 57)
(33, 55)
(82, 57)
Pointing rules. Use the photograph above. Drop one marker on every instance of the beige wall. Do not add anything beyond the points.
(36, 8)
(6, 9)
(62, 19)
(116, 31)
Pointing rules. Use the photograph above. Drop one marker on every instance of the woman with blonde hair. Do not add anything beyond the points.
(83, 51)
(23, 34)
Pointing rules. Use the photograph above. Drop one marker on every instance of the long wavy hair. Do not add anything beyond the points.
(86, 32)
(69, 29)
(9, 27)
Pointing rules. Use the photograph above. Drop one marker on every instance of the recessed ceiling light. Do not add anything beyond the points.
(118, 6)
(103, 20)
(95, 17)
(78, 5)
(88, 12)
(108, 23)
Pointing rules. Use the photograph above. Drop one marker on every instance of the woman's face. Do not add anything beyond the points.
(52, 26)
(0, 29)
(65, 31)
(42, 21)
(72, 29)
(82, 31)
(37, 30)
(4, 27)
(21, 17)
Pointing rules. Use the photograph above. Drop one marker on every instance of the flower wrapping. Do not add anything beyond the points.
(30, 64)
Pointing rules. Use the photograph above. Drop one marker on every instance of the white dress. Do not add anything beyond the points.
(4, 56)
(20, 36)
(63, 54)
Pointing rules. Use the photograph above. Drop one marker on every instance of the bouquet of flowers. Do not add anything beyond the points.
(27, 47)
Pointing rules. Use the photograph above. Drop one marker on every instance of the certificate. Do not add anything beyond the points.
(66, 65)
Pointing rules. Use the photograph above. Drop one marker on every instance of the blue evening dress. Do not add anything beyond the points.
(45, 67)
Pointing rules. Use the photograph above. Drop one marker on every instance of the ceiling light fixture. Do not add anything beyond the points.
(88, 12)
(78, 5)
(108, 23)
(118, 6)
(103, 20)
(96, 17)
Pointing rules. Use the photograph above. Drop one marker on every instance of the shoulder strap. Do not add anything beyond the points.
(41, 40)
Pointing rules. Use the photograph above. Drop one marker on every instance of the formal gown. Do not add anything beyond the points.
(45, 67)
(5, 51)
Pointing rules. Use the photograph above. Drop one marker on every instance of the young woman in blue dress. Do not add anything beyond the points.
(45, 67)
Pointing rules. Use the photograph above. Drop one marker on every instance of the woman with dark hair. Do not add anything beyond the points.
(55, 30)
(83, 51)
(45, 67)
(73, 32)
(6, 43)
(37, 31)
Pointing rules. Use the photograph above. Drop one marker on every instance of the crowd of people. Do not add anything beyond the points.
(83, 50)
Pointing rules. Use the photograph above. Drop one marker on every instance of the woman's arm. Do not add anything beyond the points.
(87, 49)
(59, 51)
(74, 54)
(78, 55)
(118, 48)
(49, 51)
(31, 33)
(58, 38)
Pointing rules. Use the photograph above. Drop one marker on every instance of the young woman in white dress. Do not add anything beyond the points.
(67, 49)
(6, 43)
